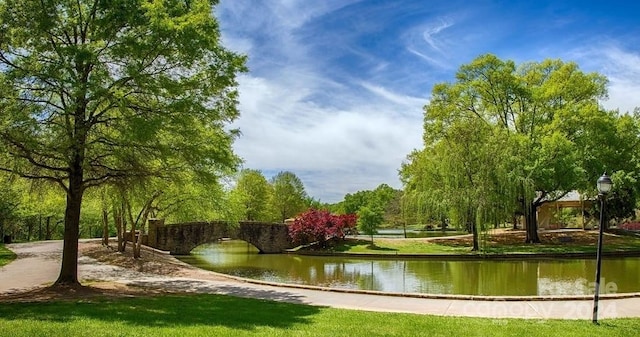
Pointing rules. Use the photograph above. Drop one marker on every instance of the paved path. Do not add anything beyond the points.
(38, 264)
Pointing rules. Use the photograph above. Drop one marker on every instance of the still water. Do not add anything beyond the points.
(499, 278)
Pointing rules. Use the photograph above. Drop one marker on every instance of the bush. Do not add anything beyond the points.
(320, 226)
(630, 226)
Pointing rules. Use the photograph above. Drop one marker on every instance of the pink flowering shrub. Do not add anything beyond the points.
(630, 226)
(320, 226)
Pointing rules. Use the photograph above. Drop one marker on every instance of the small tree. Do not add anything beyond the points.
(289, 197)
(252, 193)
(369, 219)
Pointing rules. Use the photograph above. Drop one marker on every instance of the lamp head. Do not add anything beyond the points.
(604, 184)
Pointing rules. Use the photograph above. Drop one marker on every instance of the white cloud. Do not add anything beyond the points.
(402, 100)
(620, 66)
(623, 70)
(332, 90)
(430, 34)
(337, 137)
(433, 41)
(335, 150)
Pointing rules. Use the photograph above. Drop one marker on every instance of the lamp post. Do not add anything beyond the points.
(604, 186)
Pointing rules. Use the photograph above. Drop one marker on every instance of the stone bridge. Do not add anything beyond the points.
(180, 239)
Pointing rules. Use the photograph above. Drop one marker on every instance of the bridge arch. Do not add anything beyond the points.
(180, 239)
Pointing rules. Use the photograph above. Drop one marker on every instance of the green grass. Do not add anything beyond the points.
(408, 246)
(217, 315)
(396, 246)
(545, 248)
(6, 255)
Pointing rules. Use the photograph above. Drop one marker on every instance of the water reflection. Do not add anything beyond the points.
(546, 277)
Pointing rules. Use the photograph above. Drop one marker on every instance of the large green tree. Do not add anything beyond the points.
(252, 193)
(531, 133)
(289, 196)
(95, 91)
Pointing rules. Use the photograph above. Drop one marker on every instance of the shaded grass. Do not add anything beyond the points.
(6, 255)
(218, 315)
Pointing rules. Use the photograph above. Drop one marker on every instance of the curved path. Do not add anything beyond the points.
(38, 264)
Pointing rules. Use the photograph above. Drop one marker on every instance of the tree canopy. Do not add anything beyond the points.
(506, 138)
(252, 193)
(289, 196)
(96, 92)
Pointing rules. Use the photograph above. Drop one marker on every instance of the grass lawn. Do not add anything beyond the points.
(504, 243)
(6, 255)
(217, 315)
(397, 246)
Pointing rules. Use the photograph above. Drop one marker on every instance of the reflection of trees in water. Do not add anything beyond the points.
(623, 273)
(423, 276)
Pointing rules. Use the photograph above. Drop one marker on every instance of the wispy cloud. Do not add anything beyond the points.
(623, 70)
(335, 150)
(336, 87)
(431, 34)
(337, 130)
(620, 65)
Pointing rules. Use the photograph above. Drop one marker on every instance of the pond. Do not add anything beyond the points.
(489, 278)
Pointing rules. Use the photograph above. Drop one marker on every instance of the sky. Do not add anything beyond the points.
(336, 88)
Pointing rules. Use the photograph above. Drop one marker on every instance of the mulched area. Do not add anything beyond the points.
(150, 262)
(515, 238)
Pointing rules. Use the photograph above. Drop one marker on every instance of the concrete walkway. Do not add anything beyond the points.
(38, 264)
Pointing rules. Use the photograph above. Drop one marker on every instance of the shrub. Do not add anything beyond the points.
(320, 226)
(630, 226)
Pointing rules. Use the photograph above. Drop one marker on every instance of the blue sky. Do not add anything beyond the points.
(336, 87)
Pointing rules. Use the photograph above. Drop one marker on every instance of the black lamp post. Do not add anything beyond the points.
(604, 186)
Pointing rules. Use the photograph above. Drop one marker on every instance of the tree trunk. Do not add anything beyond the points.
(404, 228)
(29, 228)
(134, 228)
(105, 227)
(118, 218)
(48, 230)
(40, 227)
(69, 270)
(474, 231)
(134, 240)
(531, 223)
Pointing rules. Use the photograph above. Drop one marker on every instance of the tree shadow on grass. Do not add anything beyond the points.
(168, 311)
(373, 246)
(348, 244)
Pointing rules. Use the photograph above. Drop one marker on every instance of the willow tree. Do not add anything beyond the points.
(457, 174)
(95, 91)
(541, 121)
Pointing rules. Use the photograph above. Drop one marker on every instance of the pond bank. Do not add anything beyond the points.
(43, 258)
(471, 256)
